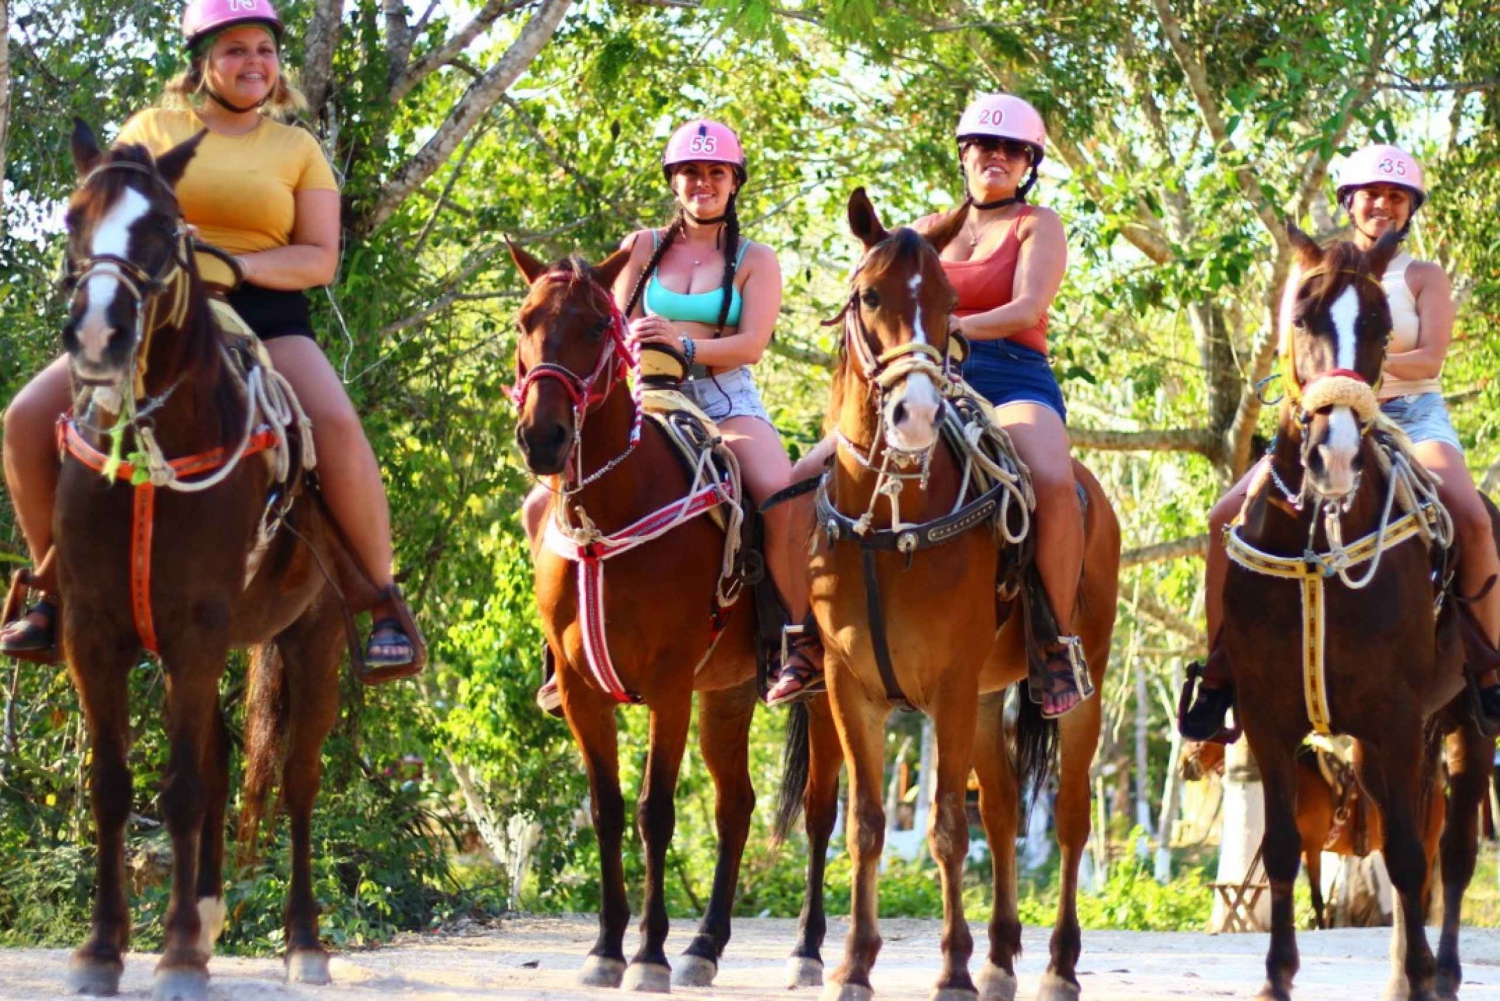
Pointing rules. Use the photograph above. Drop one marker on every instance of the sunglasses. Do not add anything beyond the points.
(1013, 149)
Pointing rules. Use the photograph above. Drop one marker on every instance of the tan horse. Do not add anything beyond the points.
(950, 654)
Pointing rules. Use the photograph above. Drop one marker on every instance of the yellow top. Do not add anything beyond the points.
(238, 190)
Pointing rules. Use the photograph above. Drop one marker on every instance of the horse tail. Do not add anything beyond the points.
(1034, 743)
(795, 756)
(266, 714)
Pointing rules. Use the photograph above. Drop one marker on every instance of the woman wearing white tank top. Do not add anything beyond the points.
(1381, 188)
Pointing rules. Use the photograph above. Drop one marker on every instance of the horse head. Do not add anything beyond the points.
(897, 324)
(127, 245)
(1336, 322)
(570, 354)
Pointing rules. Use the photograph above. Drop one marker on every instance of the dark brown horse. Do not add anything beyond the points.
(1328, 819)
(1360, 659)
(142, 339)
(581, 430)
(952, 653)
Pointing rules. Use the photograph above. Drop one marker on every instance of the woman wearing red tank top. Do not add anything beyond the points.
(1006, 265)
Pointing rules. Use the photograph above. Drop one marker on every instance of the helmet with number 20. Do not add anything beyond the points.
(705, 141)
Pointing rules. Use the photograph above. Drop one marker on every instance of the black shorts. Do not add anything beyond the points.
(272, 312)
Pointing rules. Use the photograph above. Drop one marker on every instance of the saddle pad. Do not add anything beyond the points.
(662, 406)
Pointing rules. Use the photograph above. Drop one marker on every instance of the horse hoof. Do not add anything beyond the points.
(601, 971)
(211, 915)
(803, 972)
(307, 966)
(848, 992)
(1397, 989)
(648, 978)
(995, 984)
(954, 994)
(1056, 988)
(179, 983)
(92, 976)
(694, 971)
(1270, 992)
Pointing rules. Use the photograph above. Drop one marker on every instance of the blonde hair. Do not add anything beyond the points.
(189, 89)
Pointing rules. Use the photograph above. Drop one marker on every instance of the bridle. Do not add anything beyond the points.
(616, 359)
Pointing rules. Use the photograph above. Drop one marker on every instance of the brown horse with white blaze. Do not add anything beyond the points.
(143, 339)
(949, 647)
(1342, 637)
(616, 480)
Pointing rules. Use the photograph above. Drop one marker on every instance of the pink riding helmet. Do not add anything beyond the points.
(706, 141)
(202, 18)
(1004, 116)
(1382, 164)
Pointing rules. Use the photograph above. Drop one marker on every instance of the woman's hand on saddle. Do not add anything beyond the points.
(653, 330)
(955, 324)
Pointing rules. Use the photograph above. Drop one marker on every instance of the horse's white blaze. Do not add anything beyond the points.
(112, 236)
(1344, 313)
(1338, 454)
(916, 320)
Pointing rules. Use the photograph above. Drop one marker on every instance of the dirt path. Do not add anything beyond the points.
(537, 958)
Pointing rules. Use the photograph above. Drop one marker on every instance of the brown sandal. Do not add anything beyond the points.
(379, 672)
(801, 674)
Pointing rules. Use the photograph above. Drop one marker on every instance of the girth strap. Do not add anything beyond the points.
(876, 614)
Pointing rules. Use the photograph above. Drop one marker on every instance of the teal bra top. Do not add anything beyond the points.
(702, 307)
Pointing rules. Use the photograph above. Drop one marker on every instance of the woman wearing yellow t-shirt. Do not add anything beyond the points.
(264, 192)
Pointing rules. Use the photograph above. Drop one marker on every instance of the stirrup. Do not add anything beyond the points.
(794, 640)
(549, 697)
(1068, 650)
(380, 674)
(1489, 726)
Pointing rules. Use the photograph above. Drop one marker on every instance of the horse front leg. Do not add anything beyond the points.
(211, 912)
(1395, 773)
(1470, 763)
(861, 725)
(820, 803)
(1281, 851)
(194, 663)
(1074, 815)
(100, 669)
(656, 818)
(724, 738)
(953, 714)
(591, 717)
(998, 801)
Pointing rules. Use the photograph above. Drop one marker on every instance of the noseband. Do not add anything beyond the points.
(616, 359)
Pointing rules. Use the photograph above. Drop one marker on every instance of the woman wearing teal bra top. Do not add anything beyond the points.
(698, 288)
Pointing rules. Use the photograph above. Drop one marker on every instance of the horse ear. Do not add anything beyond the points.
(171, 164)
(863, 222)
(86, 153)
(941, 233)
(1309, 254)
(1379, 257)
(609, 269)
(531, 268)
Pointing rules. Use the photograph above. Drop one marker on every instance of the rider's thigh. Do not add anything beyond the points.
(1457, 492)
(764, 464)
(33, 412)
(318, 386)
(1041, 439)
(1229, 505)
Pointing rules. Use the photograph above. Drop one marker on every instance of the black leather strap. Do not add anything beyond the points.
(876, 613)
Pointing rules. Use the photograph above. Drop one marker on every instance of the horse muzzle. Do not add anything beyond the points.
(911, 414)
(1332, 461)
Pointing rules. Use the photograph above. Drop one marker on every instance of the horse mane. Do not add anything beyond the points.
(900, 245)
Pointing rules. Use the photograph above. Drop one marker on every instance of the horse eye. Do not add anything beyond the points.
(870, 298)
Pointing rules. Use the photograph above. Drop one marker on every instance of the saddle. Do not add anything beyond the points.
(1350, 809)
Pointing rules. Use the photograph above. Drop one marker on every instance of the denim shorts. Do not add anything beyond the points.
(1003, 372)
(1424, 417)
(728, 394)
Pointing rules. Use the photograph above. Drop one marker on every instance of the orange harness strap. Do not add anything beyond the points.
(71, 441)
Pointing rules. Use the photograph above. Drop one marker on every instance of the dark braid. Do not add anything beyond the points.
(731, 251)
(673, 231)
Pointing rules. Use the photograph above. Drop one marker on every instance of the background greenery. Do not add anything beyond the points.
(1183, 136)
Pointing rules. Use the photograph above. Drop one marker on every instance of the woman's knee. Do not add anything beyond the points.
(30, 417)
(1471, 520)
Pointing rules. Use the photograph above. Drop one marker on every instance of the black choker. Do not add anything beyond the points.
(706, 222)
(238, 111)
(998, 203)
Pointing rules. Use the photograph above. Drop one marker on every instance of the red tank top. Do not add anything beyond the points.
(985, 283)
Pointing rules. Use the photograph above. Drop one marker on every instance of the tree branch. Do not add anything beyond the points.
(398, 36)
(802, 353)
(317, 58)
(473, 105)
(409, 76)
(1146, 602)
(1193, 545)
(1200, 440)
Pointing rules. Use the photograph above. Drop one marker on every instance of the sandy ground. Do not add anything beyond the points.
(538, 957)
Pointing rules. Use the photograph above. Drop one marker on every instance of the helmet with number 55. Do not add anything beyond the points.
(704, 141)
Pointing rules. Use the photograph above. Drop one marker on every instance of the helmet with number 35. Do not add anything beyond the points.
(705, 141)
(1382, 164)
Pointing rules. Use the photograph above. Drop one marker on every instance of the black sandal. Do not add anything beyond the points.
(31, 640)
(1068, 685)
(801, 674)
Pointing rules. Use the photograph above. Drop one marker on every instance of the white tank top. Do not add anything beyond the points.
(1406, 329)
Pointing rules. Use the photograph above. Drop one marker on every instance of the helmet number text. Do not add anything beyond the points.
(704, 144)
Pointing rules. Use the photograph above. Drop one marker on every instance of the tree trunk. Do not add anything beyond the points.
(4, 98)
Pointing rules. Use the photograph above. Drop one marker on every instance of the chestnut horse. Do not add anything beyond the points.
(952, 651)
(1340, 637)
(139, 306)
(582, 433)
(1319, 825)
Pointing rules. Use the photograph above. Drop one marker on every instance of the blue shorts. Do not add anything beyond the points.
(1003, 372)
(1424, 417)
